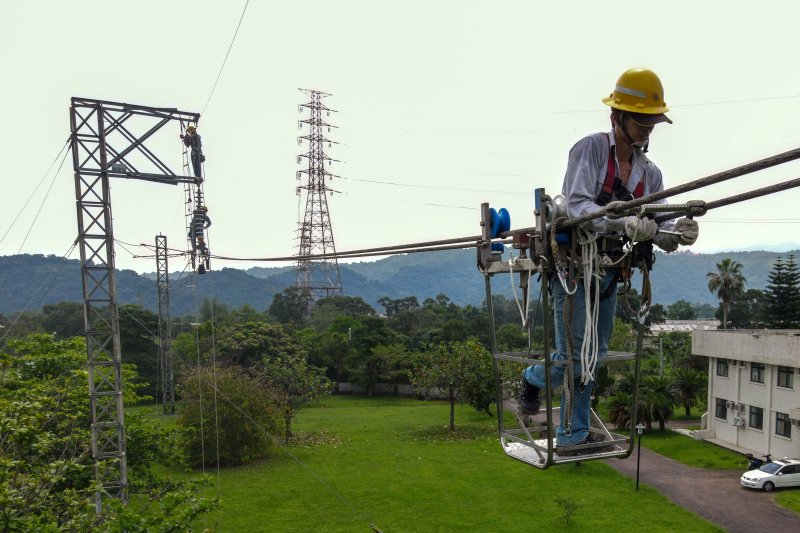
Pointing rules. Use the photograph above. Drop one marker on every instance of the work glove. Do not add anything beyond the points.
(689, 229)
(668, 243)
(637, 229)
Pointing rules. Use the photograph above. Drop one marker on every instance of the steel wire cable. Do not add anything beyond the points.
(736, 198)
(33, 223)
(214, 381)
(697, 104)
(436, 187)
(275, 440)
(713, 179)
(224, 61)
(48, 281)
(472, 241)
(25, 206)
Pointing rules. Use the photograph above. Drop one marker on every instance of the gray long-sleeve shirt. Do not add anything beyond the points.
(586, 173)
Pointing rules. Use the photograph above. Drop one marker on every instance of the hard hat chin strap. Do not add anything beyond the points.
(642, 145)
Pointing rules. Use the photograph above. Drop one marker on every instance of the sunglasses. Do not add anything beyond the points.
(638, 123)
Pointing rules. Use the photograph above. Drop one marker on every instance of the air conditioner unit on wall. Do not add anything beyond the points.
(740, 407)
(796, 422)
(738, 421)
(730, 404)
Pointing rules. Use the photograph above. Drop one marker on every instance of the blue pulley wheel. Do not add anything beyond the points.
(500, 221)
(498, 248)
(505, 220)
(494, 223)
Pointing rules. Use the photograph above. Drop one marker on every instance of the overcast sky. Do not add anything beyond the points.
(448, 103)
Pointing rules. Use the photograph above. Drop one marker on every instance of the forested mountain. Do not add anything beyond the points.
(30, 281)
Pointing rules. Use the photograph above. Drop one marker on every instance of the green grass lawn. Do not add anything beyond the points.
(393, 463)
(789, 498)
(695, 413)
(691, 452)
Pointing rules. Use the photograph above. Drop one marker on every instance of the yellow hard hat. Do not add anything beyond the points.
(190, 128)
(639, 91)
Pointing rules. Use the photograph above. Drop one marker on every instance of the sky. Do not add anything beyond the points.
(441, 105)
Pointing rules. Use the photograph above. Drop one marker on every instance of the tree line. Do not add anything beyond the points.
(777, 307)
(262, 367)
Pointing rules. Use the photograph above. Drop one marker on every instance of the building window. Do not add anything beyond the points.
(783, 426)
(756, 417)
(721, 409)
(757, 372)
(722, 367)
(785, 377)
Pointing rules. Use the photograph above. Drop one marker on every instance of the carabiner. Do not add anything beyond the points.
(562, 277)
(644, 311)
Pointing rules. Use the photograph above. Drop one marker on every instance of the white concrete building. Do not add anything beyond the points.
(687, 326)
(753, 389)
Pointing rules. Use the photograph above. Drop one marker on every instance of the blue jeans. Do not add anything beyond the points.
(535, 374)
(197, 164)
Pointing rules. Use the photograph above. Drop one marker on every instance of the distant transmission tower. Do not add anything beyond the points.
(164, 326)
(319, 277)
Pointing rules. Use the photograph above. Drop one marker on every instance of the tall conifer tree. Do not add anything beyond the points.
(783, 295)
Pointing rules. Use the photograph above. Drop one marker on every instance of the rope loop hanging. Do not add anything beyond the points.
(591, 278)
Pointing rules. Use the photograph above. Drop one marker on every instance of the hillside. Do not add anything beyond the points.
(30, 281)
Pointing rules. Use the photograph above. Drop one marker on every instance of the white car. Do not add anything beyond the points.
(781, 473)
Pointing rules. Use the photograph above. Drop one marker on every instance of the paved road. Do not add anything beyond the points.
(713, 494)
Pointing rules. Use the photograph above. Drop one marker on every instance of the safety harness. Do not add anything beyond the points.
(613, 189)
(613, 186)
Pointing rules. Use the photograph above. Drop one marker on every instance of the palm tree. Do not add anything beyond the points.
(690, 383)
(658, 397)
(619, 410)
(726, 283)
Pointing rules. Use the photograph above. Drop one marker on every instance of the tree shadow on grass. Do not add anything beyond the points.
(316, 438)
(445, 434)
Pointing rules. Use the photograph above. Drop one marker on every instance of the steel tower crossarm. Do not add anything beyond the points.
(104, 144)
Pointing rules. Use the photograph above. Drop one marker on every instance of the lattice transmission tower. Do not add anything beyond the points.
(319, 277)
(164, 326)
(110, 140)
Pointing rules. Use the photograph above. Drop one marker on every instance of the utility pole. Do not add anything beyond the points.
(109, 139)
(318, 278)
(164, 326)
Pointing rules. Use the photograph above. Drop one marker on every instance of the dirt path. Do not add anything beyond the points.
(713, 494)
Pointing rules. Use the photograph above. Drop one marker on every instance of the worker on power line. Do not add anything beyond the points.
(605, 168)
(192, 140)
(200, 222)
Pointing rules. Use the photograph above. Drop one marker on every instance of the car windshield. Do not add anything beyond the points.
(770, 468)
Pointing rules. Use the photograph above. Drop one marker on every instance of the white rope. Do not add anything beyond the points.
(523, 313)
(591, 274)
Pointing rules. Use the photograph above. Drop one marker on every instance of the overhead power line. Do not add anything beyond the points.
(22, 209)
(436, 187)
(244, 10)
(42, 291)
(33, 222)
(698, 104)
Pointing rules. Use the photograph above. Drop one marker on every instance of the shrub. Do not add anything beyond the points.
(244, 416)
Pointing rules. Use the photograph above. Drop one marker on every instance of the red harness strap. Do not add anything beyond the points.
(613, 184)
